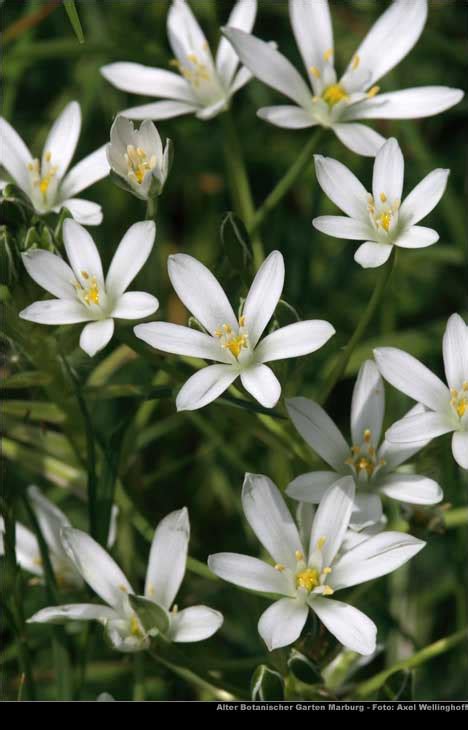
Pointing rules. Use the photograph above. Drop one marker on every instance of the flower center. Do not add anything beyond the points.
(135, 627)
(307, 579)
(363, 460)
(311, 577)
(334, 93)
(138, 163)
(89, 294)
(232, 341)
(42, 177)
(194, 71)
(383, 214)
(459, 400)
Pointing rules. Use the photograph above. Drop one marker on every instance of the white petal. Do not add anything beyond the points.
(185, 35)
(51, 272)
(350, 626)
(367, 511)
(83, 211)
(242, 77)
(417, 237)
(414, 428)
(332, 519)
(294, 340)
(411, 488)
(270, 519)
(341, 186)
(95, 336)
(368, 404)
(424, 197)
(263, 296)
(135, 305)
(194, 624)
(287, 116)
(269, 65)
(312, 486)
(359, 138)
(340, 226)
(377, 556)
(460, 448)
(97, 567)
(211, 111)
(370, 254)
(397, 30)
(91, 169)
(131, 255)
(14, 155)
(455, 348)
(160, 110)
(168, 557)
(205, 386)
(251, 573)
(242, 16)
(28, 552)
(281, 624)
(50, 519)
(389, 171)
(63, 137)
(181, 341)
(319, 431)
(82, 252)
(261, 382)
(312, 28)
(56, 311)
(413, 378)
(201, 292)
(396, 454)
(72, 612)
(424, 101)
(147, 81)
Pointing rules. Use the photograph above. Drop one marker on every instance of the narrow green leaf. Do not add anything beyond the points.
(74, 19)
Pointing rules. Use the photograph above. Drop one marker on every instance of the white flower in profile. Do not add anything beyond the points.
(166, 569)
(233, 342)
(83, 295)
(335, 103)
(204, 87)
(374, 467)
(46, 182)
(446, 408)
(138, 157)
(307, 571)
(380, 219)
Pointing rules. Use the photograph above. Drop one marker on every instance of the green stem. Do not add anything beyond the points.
(138, 678)
(286, 182)
(363, 323)
(151, 209)
(199, 677)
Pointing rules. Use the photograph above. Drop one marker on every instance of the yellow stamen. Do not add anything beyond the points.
(328, 54)
(308, 579)
(385, 220)
(321, 542)
(334, 93)
(315, 72)
(373, 92)
(327, 571)
(367, 435)
(123, 588)
(279, 567)
(48, 156)
(92, 294)
(242, 321)
(135, 628)
(328, 591)
(299, 555)
(383, 197)
(355, 62)
(462, 407)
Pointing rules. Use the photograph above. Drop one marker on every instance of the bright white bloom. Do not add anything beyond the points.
(380, 219)
(205, 86)
(373, 467)
(446, 407)
(83, 295)
(337, 104)
(233, 342)
(166, 569)
(45, 181)
(307, 571)
(137, 156)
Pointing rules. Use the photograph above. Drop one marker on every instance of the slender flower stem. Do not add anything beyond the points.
(138, 677)
(151, 209)
(286, 182)
(366, 317)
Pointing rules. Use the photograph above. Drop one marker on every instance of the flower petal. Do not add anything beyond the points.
(243, 17)
(205, 386)
(411, 488)
(340, 226)
(455, 348)
(417, 237)
(181, 341)
(460, 448)
(50, 518)
(91, 169)
(312, 28)
(95, 336)
(350, 626)
(261, 382)
(56, 311)
(131, 255)
(184, 32)
(414, 428)
(14, 156)
(395, 454)
(72, 612)
(370, 254)
(367, 511)
(294, 340)
(287, 116)
(83, 211)
(201, 292)
(424, 197)
(160, 110)
(368, 405)
(389, 171)
(359, 138)
(82, 252)
(251, 573)
(62, 139)
(413, 378)
(147, 81)
(27, 550)
(319, 431)
(263, 296)
(270, 519)
(312, 486)
(168, 557)
(51, 272)
(342, 187)
(194, 624)
(281, 624)
(424, 101)
(332, 519)
(135, 305)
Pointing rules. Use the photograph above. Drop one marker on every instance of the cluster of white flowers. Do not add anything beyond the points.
(343, 541)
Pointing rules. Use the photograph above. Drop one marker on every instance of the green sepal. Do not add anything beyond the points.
(266, 684)
(154, 618)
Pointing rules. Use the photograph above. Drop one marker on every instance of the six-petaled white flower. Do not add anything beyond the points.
(234, 342)
(307, 571)
(83, 295)
(446, 408)
(46, 182)
(337, 104)
(373, 467)
(166, 569)
(205, 86)
(380, 219)
(138, 157)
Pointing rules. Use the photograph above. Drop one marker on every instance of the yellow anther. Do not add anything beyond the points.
(279, 567)
(242, 321)
(48, 156)
(321, 542)
(355, 62)
(299, 555)
(85, 275)
(334, 93)
(328, 54)
(236, 344)
(367, 435)
(138, 163)
(327, 571)
(371, 451)
(373, 92)
(462, 407)
(385, 220)
(150, 589)
(315, 72)
(308, 579)
(192, 58)
(135, 627)
(123, 588)
(365, 465)
(328, 591)
(174, 608)
(227, 328)
(91, 295)
(383, 197)
(355, 449)
(454, 392)
(44, 184)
